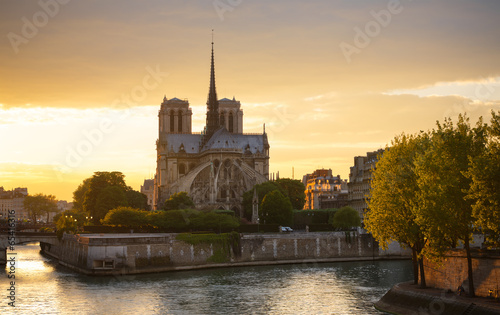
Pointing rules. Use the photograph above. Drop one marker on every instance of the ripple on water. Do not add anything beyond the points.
(339, 288)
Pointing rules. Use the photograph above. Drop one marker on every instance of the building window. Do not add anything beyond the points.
(230, 121)
(222, 120)
(172, 120)
(179, 122)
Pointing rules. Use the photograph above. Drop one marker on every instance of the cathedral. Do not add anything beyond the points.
(216, 166)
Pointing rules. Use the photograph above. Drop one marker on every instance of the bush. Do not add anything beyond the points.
(178, 201)
(170, 221)
(308, 217)
(173, 220)
(276, 209)
(126, 216)
(214, 222)
(346, 218)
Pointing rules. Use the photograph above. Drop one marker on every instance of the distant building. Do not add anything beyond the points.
(63, 205)
(215, 167)
(148, 189)
(323, 190)
(360, 180)
(13, 200)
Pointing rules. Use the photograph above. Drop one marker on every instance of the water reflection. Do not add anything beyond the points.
(44, 287)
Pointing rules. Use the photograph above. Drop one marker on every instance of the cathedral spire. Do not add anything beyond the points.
(212, 103)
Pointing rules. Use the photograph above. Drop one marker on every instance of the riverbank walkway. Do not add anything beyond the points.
(408, 298)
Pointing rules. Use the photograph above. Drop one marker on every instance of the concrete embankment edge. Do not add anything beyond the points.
(103, 272)
(408, 299)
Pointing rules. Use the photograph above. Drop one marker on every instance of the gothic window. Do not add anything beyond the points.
(172, 119)
(222, 119)
(230, 121)
(179, 122)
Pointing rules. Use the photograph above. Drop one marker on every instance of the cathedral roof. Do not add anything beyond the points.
(223, 139)
(190, 142)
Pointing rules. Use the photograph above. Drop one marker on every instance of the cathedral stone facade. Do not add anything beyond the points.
(215, 167)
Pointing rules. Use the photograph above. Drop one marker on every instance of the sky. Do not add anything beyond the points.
(81, 82)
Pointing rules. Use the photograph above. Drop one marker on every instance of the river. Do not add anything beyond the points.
(44, 287)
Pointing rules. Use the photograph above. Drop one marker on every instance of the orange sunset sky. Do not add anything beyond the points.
(82, 81)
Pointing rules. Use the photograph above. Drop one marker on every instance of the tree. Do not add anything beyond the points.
(295, 191)
(66, 224)
(81, 218)
(393, 205)
(39, 205)
(444, 209)
(484, 191)
(137, 199)
(104, 191)
(346, 218)
(79, 194)
(276, 209)
(178, 201)
(108, 198)
(262, 190)
(126, 216)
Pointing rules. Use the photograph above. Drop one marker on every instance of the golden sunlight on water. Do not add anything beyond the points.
(43, 287)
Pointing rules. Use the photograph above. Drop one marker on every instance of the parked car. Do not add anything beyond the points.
(286, 229)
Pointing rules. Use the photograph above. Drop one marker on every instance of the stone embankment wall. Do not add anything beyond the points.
(139, 253)
(452, 272)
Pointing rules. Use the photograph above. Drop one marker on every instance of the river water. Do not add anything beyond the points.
(43, 287)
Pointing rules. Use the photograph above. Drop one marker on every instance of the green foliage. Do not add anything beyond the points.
(222, 244)
(127, 216)
(262, 190)
(66, 224)
(79, 194)
(172, 220)
(214, 222)
(308, 217)
(425, 187)
(40, 204)
(295, 190)
(137, 199)
(276, 209)
(105, 191)
(81, 217)
(485, 188)
(178, 201)
(443, 209)
(346, 218)
(394, 201)
(109, 198)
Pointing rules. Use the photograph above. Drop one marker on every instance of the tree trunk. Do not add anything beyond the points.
(415, 265)
(469, 268)
(422, 273)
